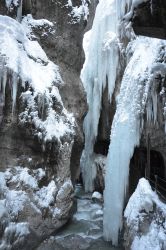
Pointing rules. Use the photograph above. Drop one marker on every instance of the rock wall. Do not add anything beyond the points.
(64, 47)
(149, 19)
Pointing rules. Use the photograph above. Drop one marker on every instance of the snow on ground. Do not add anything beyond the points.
(142, 203)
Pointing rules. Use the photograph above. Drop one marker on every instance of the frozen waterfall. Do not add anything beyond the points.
(125, 132)
(101, 46)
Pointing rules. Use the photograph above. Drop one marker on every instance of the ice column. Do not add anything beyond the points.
(125, 133)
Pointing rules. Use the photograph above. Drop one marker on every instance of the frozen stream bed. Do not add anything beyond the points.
(85, 229)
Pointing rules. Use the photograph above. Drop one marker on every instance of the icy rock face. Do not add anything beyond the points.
(37, 131)
(43, 111)
(37, 134)
(145, 219)
(154, 124)
(64, 47)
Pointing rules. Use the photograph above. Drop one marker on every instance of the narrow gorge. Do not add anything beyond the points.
(82, 124)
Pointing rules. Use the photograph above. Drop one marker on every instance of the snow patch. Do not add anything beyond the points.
(143, 201)
(77, 12)
(23, 176)
(46, 195)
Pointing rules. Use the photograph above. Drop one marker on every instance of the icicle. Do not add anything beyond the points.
(14, 90)
(125, 133)
(19, 12)
(154, 101)
(4, 81)
(149, 111)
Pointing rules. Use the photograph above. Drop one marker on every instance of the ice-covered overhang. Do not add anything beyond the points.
(149, 19)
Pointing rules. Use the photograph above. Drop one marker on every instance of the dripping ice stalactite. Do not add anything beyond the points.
(125, 133)
(151, 108)
(7, 74)
(101, 46)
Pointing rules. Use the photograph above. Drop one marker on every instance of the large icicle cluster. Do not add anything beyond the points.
(23, 60)
(101, 48)
(159, 70)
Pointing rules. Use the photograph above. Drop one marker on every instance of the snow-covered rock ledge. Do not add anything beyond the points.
(145, 220)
